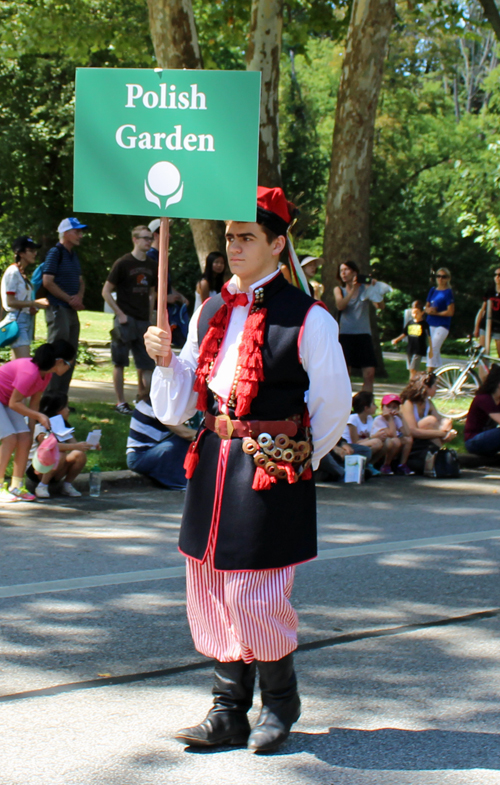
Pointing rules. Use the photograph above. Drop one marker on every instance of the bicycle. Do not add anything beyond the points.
(457, 384)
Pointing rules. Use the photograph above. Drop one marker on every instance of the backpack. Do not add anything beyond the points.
(36, 281)
(446, 463)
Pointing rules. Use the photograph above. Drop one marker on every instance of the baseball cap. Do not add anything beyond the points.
(154, 225)
(20, 244)
(308, 259)
(390, 398)
(70, 223)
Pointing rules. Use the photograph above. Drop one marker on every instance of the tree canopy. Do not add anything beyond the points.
(436, 162)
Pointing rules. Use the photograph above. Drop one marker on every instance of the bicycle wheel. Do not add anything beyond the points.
(454, 400)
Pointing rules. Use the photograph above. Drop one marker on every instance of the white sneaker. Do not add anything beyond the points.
(68, 490)
(42, 491)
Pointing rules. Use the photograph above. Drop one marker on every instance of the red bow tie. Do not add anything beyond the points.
(233, 300)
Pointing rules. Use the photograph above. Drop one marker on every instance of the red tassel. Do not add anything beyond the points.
(307, 474)
(191, 460)
(262, 481)
(306, 420)
(290, 471)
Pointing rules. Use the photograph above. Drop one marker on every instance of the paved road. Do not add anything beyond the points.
(399, 661)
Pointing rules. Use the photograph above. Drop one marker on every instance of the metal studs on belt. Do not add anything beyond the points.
(265, 440)
(249, 446)
(282, 441)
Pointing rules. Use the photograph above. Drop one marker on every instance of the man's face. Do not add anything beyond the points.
(250, 255)
(143, 240)
(391, 408)
(417, 315)
(74, 236)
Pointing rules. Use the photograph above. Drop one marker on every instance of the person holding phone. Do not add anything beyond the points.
(355, 330)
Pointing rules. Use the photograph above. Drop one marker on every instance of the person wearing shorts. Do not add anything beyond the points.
(17, 299)
(26, 377)
(355, 331)
(133, 277)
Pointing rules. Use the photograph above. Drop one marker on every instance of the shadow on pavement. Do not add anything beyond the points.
(402, 750)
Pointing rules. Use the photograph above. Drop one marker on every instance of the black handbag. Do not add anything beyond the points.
(446, 463)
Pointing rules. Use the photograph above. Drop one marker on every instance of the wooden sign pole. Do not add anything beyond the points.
(162, 318)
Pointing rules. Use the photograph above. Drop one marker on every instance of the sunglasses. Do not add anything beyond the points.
(439, 275)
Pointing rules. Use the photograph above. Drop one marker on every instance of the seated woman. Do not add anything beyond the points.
(425, 424)
(482, 434)
(72, 454)
(155, 450)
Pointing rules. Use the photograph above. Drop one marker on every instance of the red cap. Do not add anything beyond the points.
(273, 200)
(390, 398)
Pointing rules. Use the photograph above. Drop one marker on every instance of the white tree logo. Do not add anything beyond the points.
(164, 179)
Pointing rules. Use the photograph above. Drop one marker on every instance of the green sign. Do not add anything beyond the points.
(162, 142)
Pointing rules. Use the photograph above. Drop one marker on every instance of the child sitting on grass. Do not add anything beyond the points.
(72, 453)
(395, 434)
(419, 338)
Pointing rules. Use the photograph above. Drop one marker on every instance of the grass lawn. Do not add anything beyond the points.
(114, 428)
(94, 326)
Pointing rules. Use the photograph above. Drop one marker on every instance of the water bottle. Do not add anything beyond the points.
(95, 481)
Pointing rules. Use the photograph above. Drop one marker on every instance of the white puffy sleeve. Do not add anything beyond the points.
(172, 396)
(330, 395)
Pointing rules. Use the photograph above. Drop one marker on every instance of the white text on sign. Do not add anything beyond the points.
(153, 100)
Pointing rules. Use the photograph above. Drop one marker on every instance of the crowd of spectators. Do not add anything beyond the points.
(393, 440)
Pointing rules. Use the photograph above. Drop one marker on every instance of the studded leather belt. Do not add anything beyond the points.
(226, 428)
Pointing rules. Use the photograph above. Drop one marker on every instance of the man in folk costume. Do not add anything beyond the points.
(263, 361)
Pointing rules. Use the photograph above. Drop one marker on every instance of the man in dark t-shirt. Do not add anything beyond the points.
(133, 279)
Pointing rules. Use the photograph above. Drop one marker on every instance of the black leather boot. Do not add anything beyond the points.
(227, 721)
(280, 705)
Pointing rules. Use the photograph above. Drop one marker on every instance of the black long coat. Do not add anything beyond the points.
(255, 530)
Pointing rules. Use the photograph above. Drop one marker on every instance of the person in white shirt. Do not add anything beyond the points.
(360, 423)
(17, 295)
(263, 361)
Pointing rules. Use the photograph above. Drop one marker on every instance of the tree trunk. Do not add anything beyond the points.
(347, 233)
(263, 54)
(492, 15)
(347, 209)
(208, 236)
(175, 40)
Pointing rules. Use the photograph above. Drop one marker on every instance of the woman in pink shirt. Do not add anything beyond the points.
(26, 377)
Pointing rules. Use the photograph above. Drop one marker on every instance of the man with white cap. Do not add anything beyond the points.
(62, 278)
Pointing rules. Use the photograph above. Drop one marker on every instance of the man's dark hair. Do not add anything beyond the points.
(53, 402)
(361, 401)
(270, 235)
(64, 350)
(418, 304)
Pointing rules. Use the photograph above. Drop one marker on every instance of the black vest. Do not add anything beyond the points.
(257, 529)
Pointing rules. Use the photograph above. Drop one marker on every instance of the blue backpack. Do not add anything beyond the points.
(36, 281)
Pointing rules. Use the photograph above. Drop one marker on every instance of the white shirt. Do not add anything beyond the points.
(14, 283)
(329, 395)
(363, 428)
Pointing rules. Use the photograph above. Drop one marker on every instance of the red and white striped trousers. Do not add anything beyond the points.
(241, 615)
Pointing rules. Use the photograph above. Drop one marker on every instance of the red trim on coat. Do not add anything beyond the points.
(301, 332)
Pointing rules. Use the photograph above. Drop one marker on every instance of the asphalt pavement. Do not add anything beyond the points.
(399, 642)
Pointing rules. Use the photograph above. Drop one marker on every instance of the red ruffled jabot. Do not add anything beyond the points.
(250, 369)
